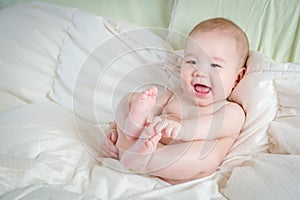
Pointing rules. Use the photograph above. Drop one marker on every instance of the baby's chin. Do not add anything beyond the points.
(201, 102)
(204, 102)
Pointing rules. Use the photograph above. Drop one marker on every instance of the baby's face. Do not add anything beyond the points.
(210, 68)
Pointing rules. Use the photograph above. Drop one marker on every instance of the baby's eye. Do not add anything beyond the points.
(214, 65)
(192, 62)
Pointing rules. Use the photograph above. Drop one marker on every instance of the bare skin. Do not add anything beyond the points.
(171, 167)
(139, 113)
(138, 140)
(194, 125)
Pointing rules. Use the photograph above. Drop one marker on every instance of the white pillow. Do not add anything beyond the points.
(258, 94)
(30, 47)
(284, 130)
(104, 59)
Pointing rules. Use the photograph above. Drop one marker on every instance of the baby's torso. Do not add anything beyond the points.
(181, 107)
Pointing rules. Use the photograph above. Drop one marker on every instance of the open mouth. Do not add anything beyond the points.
(201, 89)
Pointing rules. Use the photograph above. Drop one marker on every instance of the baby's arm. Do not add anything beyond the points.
(226, 122)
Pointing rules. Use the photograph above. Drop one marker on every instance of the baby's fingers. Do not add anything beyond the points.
(155, 121)
(112, 135)
(170, 132)
(161, 125)
(110, 146)
(109, 154)
(109, 149)
(175, 134)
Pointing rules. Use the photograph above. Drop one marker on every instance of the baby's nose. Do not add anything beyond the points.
(199, 72)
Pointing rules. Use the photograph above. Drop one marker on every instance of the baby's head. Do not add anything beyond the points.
(228, 28)
(215, 56)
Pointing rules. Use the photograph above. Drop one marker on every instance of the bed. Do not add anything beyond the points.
(64, 65)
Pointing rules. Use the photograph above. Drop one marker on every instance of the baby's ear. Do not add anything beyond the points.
(240, 75)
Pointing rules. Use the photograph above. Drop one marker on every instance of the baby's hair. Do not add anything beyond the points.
(229, 27)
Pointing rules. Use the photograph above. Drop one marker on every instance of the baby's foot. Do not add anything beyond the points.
(139, 112)
(139, 154)
(147, 142)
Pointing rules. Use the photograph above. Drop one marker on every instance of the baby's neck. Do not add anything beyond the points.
(212, 108)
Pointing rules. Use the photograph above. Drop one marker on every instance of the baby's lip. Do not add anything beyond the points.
(201, 89)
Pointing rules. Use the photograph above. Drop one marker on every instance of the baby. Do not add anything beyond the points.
(185, 134)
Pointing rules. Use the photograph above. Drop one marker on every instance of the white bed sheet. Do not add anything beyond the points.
(49, 150)
(46, 155)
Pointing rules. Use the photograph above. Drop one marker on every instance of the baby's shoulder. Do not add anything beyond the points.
(233, 105)
(235, 111)
(235, 117)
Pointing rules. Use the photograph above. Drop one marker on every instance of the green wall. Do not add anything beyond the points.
(155, 13)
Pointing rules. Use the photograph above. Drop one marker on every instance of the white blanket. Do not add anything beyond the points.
(62, 72)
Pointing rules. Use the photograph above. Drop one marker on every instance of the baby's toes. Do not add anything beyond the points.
(154, 91)
(147, 133)
(176, 132)
(152, 142)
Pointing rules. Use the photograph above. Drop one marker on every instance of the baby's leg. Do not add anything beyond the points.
(139, 113)
(137, 156)
(125, 114)
(185, 161)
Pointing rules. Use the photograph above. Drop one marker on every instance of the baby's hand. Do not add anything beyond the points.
(108, 146)
(169, 128)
